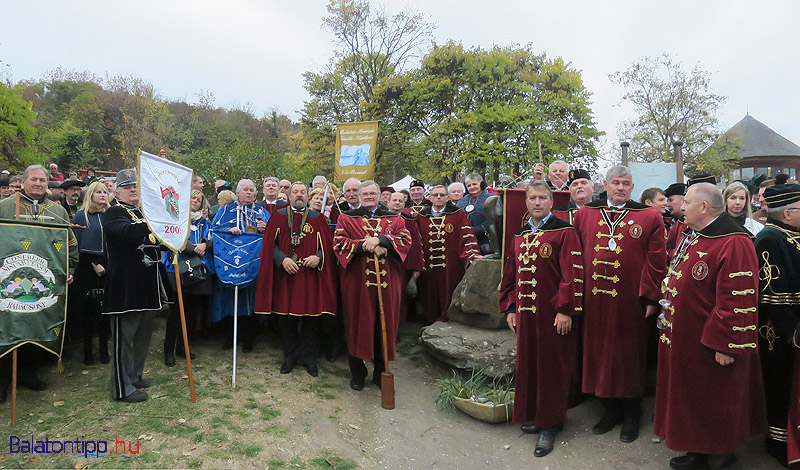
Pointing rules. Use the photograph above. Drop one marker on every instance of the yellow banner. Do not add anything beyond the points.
(356, 143)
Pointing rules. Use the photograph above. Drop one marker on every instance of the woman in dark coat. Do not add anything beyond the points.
(88, 287)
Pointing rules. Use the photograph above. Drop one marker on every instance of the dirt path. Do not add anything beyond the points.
(295, 421)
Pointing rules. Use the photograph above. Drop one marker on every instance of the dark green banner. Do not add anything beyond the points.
(33, 277)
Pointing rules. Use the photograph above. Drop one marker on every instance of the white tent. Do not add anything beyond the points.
(403, 183)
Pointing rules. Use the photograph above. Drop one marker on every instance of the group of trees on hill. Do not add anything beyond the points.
(444, 110)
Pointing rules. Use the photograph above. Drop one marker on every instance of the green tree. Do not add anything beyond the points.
(17, 131)
(485, 110)
(672, 104)
(371, 45)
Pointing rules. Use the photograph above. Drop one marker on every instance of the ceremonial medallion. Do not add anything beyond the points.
(700, 270)
(636, 230)
(469, 208)
(448, 228)
(546, 250)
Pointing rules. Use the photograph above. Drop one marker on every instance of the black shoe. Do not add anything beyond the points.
(32, 383)
(247, 345)
(545, 444)
(182, 354)
(134, 397)
(169, 358)
(104, 357)
(607, 423)
(141, 384)
(287, 366)
(312, 370)
(690, 461)
(530, 429)
(630, 429)
(357, 384)
(721, 462)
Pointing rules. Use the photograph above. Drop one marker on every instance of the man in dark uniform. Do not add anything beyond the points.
(131, 290)
(778, 252)
(72, 195)
(581, 192)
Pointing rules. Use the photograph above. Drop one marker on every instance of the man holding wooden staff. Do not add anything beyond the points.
(366, 237)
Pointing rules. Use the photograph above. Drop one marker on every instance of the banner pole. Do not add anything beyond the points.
(183, 326)
(14, 386)
(235, 328)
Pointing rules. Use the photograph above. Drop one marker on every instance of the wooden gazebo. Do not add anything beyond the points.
(761, 150)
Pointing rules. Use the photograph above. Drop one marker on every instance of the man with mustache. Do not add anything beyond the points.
(581, 192)
(296, 279)
(625, 258)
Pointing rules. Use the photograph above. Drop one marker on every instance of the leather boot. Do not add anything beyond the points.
(613, 416)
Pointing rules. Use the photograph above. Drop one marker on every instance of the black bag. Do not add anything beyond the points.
(192, 270)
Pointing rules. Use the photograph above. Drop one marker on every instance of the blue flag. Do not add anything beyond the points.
(236, 257)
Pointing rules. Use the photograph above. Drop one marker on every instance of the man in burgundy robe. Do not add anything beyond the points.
(541, 290)
(414, 262)
(625, 260)
(709, 396)
(449, 246)
(296, 279)
(363, 236)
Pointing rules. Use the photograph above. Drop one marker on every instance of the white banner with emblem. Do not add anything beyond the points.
(165, 189)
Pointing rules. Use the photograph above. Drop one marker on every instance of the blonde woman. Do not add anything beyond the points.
(737, 204)
(88, 287)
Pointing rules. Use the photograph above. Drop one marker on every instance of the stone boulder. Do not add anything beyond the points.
(475, 298)
(465, 347)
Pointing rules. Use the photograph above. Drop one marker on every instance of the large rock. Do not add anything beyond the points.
(475, 298)
(465, 347)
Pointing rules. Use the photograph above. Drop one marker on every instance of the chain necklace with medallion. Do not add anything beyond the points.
(612, 226)
(296, 236)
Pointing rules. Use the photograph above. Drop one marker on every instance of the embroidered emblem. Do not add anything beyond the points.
(308, 228)
(448, 228)
(701, 254)
(170, 197)
(636, 230)
(546, 250)
(26, 243)
(700, 270)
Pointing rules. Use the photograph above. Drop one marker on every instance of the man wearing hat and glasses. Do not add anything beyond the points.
(778, 252)
(131, 290)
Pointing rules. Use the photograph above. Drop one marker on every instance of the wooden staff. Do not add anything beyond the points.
(387, 378)
(183, 326)
(539, 142)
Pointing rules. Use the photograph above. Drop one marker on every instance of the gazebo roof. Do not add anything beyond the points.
(758, 140)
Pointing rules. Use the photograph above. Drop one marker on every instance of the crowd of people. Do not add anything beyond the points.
(695, 281)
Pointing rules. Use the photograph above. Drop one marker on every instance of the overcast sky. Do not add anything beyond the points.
(256, 51)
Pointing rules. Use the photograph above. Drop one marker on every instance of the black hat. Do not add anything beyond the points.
(675, 189)
(70, 183)
(702, 178)
(53, 184)
(125, 177)
(417, 183)
(781, 178)
(578, 174)
(781, 195)
(387, 188)
(224, 187)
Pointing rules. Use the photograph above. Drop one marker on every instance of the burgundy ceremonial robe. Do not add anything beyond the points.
(359, 278)
(712, 285)
(566, 212)
(413, 262)
(449, 246)
(543, 276)
(272, 208)
(622, 276)
(309, 292)
(673, 237)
